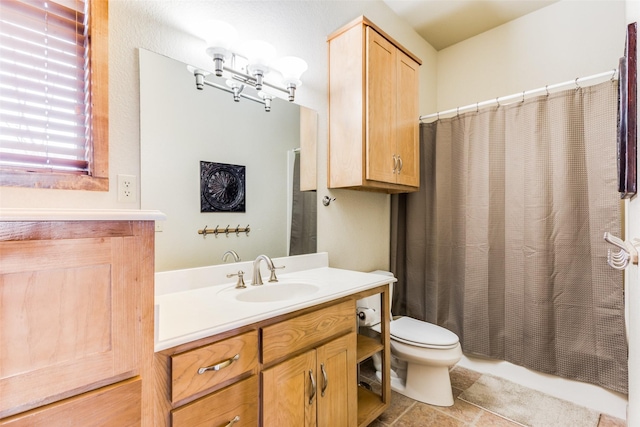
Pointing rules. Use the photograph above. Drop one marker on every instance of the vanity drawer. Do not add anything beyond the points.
(205, 367)
(284, 338)
(220, 408)
(115, 405)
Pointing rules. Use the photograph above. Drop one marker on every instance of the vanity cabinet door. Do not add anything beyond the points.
(290, 391)
(317, 388)
(337, 376)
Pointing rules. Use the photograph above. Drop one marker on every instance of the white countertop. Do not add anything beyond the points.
(199, 312)
(19, 214)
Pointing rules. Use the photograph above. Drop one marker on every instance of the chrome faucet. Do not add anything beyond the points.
(231, 252)
(257, 276)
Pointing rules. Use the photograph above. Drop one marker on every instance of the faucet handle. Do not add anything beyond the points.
(272, 277)
(240, 283)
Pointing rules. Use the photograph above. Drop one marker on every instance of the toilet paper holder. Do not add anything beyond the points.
(367, 316)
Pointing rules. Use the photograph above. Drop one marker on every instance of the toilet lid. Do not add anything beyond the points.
(413, 331)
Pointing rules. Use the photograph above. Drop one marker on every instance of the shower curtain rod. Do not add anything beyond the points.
(502, 100)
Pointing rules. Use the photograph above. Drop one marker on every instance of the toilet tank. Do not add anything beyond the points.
(373, 301)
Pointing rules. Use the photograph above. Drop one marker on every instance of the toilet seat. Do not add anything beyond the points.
(416, 332)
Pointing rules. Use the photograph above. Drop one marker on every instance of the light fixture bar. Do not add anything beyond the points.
(228, 90)
(246, 78)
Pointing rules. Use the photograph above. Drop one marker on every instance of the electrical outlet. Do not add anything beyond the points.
(127, 189)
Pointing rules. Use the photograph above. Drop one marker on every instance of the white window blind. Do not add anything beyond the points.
(45, 116)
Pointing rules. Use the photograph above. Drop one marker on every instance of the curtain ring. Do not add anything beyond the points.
(613, 76)
(522, 96)
(457, 111)
(438, 115)
(546, 88)
(577, 85)
(477, 107)
(498, 101)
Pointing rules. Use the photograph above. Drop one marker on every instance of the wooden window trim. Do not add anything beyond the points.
(98, 180)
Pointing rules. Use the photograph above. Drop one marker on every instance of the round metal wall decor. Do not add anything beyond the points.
(222, 187)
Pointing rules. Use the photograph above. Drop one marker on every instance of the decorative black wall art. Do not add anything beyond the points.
(627, 117)
(222, 187)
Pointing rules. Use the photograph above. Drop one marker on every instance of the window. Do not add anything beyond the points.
(54, 94)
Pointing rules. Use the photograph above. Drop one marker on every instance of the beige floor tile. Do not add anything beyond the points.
(461, 410)
(399, 405)
(463, 378)
(487, 419)
(421, 415)
(609, 421)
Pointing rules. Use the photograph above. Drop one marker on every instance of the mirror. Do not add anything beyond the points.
(180, 127)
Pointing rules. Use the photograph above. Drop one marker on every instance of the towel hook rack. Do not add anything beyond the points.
(227, 230)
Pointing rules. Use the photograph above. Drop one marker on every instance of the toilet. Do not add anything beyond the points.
(421, 353)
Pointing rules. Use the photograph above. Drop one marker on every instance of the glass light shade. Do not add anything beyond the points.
(291, 68)
(220, 37)
(259, 53)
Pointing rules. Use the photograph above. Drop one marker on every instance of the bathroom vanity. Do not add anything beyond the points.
(284, 353)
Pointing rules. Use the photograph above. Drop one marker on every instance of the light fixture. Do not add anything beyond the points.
(291, 68)
(221, 37)
(237, 89)
(250, 64)
(266, 98)
(259, 54)
(200, 75)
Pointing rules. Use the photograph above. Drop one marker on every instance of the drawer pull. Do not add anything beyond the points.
(233, 421)
(220, 365)
(313, 386)
(325, 379)
(400, 164)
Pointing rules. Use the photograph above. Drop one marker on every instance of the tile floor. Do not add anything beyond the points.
(406, 412)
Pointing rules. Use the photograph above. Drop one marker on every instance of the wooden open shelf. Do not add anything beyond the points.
(370, 406)
(367, 347)
(373, 403)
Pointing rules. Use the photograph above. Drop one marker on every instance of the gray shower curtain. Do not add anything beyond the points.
(503, 244)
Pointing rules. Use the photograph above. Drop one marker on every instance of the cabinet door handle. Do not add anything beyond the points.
(233, 421)
(313, 386)
(400, 164)
(220, 365)
(325, 380)
(395, 163)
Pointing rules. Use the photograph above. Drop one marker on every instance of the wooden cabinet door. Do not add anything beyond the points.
(381, 108)
(337, 383)
(407, 113)
(70, 309)
(289, 392)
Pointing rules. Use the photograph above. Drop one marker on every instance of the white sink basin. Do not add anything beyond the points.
(271, 292)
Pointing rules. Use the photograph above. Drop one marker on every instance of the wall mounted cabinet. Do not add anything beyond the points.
(373, 111)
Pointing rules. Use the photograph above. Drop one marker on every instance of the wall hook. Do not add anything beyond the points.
(621, 259)
(326, 200)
